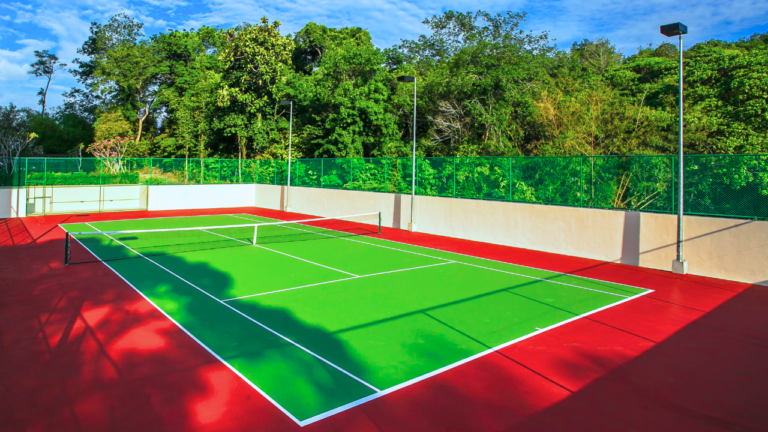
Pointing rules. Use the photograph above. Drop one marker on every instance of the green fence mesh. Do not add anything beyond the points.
(719, 185)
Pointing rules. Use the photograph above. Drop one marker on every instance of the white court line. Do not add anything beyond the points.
(459, 262)
(339, 280)
(461, 254)
(443, 369)
(248, 317)
(213, 353)
(157, 217)
(459, 363)
(281, 253)
(544, 280)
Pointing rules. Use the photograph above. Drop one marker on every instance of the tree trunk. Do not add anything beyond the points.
(141, 122)
(45, 94)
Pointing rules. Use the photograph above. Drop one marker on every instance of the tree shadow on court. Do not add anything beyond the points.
(82, 351)
(301, 383)
(114, 363)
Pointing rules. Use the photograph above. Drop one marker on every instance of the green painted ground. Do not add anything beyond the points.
(367, 314)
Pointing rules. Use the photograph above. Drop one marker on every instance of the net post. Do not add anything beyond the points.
(255, 231)
(379, 222)
(66, 249)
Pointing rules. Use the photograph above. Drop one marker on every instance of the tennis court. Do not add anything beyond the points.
(323, 315)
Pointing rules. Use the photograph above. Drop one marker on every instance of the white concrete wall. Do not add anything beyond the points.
(18, 202)
(269, 197)
(395, 209)
(82, 199)
(6, 197)
(122, 197)
(732, 249)
(724, 248)
(200, 196)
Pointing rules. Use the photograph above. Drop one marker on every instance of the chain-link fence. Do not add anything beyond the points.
(715, 185)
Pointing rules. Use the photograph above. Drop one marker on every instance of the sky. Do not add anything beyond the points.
(62, 26)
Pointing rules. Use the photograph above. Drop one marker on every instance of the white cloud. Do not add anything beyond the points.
(15, 64)
(167, 3)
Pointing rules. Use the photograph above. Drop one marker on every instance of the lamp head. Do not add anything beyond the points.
(675, 29)
(406, 78)
(285, 102)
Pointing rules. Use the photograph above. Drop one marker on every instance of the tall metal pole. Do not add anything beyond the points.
(679, 265)
(290, 138)
(413, 168)
(681, 189)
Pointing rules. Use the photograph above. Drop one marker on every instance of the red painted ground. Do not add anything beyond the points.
(81, 350)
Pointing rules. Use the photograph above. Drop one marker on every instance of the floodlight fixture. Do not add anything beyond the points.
(675, 29)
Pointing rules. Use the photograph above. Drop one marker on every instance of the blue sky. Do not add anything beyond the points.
(62, 26)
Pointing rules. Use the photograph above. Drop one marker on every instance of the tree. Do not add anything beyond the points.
(111, 125)
(15, 136)
(46, 66)
(256, 58)
(110, 152)
(479, 73)
(136, 70)
(597, 56)
(189, 90)
(121, 29)
(345, 102)
(313, 40)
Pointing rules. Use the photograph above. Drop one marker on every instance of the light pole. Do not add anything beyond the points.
(679, 265)
(405, 78)
(290, 138)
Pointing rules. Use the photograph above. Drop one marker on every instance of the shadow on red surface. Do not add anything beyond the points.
(81, 350)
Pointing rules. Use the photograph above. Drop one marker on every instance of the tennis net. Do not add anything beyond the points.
(93, 246)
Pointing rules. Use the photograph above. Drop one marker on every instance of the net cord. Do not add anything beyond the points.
(219, 227)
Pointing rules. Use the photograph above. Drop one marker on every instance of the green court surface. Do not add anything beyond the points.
(322, 322)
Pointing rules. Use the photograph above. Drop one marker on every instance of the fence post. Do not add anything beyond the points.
(385, 175)
(674, 189)
(416, 170)
(581, 181)
(454, 176)
(510, 179)
(45, 181)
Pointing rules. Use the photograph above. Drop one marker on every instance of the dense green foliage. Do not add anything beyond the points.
(485, 87)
